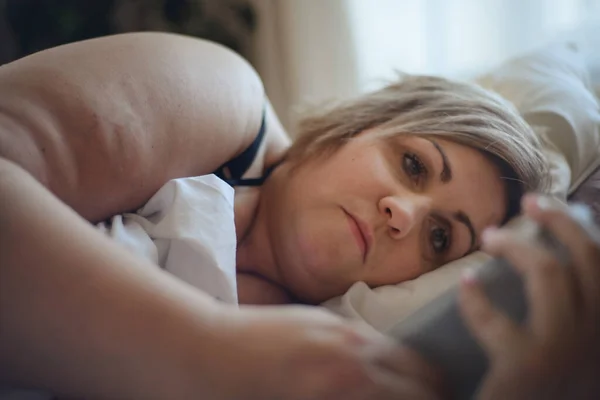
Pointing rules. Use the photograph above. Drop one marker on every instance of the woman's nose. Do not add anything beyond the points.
(403, 213)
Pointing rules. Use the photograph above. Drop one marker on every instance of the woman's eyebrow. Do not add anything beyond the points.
(446, 174)
(464, 219)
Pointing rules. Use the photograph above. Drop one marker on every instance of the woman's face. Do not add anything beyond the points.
(380, 211)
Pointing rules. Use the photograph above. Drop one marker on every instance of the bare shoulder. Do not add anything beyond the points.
(104, 123)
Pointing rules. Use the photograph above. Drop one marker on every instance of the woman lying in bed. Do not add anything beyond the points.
(381, 189)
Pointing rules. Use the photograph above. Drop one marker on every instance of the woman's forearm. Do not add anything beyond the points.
(81, 316)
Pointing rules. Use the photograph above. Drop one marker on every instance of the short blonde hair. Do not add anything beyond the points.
(435, 107)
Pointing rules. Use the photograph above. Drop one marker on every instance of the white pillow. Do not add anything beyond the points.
(550, 89)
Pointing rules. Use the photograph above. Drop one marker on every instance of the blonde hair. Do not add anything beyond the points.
(429, 106)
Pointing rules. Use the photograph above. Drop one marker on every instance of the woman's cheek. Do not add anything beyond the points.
(327, 254)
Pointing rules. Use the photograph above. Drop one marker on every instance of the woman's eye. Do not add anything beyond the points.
(439, 239)
(413, 166)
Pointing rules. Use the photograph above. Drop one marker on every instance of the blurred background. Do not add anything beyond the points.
(310, 51)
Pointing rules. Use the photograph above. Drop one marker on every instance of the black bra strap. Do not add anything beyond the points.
(236, 168)
(251, 181)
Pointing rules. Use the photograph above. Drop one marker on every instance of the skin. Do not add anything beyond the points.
(304, 222)
(104, 139)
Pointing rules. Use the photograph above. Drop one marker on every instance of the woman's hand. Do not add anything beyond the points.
(296, 352)
(556, 354)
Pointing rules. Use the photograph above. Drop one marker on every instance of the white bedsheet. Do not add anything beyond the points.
(188, 229)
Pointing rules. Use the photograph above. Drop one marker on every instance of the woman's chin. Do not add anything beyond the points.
(318, 272)
(315, 283)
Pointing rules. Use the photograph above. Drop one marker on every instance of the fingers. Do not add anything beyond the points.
(404, 361)
(584, 249)
(550, 286)
(492, 329)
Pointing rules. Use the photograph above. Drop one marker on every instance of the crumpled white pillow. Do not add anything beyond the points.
(550, 89)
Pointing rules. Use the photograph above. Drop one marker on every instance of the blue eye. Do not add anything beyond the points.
(413, 166)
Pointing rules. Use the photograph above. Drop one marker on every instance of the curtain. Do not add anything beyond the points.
(304, 52)
(312, 51)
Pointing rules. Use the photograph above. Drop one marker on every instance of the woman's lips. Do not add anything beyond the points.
(361, 233)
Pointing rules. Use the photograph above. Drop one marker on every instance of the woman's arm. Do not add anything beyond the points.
(80, 316)
(105, 123)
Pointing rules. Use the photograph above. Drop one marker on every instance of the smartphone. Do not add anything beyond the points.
(437, 330)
